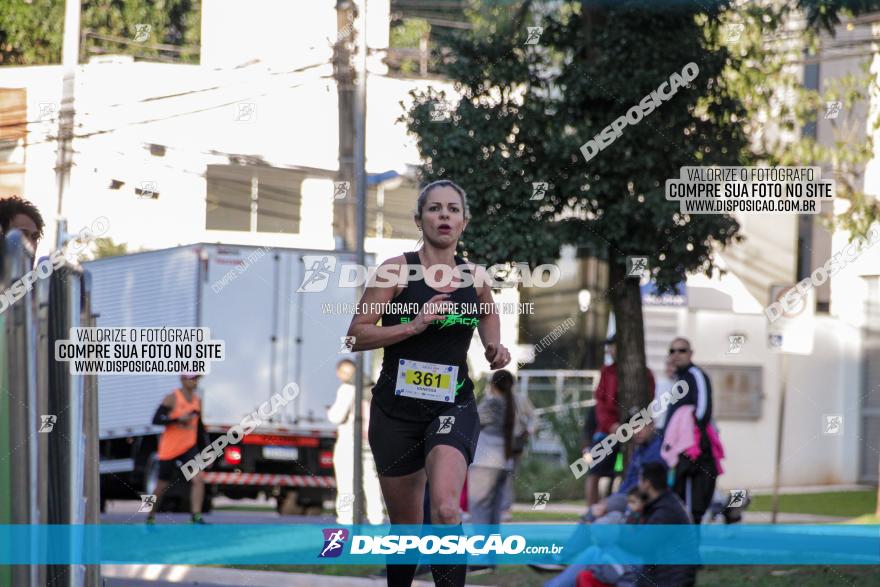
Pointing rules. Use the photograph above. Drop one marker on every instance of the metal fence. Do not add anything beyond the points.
(556, 391)
(48, 417)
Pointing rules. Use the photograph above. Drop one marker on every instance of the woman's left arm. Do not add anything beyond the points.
(490, 324)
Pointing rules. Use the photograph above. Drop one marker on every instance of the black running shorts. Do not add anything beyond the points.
(170, 470)
(400, 447)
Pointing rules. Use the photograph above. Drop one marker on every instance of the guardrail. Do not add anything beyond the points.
(48, 417)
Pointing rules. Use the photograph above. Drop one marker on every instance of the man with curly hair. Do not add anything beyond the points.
(19, 214)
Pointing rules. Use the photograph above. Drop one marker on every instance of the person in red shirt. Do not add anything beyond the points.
(607, 419)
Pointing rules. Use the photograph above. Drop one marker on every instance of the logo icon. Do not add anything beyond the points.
(245, 112)
(147, 503)
(833, 424)
(737, 498)
(541, 501)
(318, 269)
(446, 423)
(636, 266)
(539, 190)
(347, 344)
(734, 31)
(142, 32)
(534, 35)
(440, 112)
(334, 540)
(345, 501)
(47, 110)
(340, 189)
(832, 109)
(147, 190)
(48, 422)
(736, 342)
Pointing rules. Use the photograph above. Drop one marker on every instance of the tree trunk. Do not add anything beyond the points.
(626, 300)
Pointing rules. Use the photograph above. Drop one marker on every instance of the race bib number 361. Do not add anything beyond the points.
(429, 381)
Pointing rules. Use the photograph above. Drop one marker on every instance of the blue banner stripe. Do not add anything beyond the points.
(292, 544)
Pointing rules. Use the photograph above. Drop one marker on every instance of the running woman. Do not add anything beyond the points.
(423, 418)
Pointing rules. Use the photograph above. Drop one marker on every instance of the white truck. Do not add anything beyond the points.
(273, 334)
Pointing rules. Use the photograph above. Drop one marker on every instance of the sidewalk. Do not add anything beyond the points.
(811, 489)
(186, 575)
(749, 517)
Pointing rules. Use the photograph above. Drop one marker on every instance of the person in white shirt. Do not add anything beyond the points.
(341, 413)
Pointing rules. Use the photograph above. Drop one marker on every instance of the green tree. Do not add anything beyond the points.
(105, 247)
(406, 38)
(31, 32)
(526, 111)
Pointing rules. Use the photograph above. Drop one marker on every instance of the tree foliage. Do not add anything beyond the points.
(31, 32)
(526, 109)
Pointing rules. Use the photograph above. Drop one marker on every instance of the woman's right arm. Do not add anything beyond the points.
(364, 328)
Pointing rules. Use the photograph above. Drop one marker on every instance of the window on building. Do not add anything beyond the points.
(253, 199)
(389, 211)
(13, 137)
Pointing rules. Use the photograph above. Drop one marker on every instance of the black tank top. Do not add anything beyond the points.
(444, 341)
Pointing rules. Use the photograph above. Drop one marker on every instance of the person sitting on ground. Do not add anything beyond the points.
(662, 506)
(635, 506)
(647, 450)
(609, 572)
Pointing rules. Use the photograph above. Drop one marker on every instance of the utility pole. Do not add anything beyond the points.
(343, 73)
(349, 212)
(360, 118)
(64, 158)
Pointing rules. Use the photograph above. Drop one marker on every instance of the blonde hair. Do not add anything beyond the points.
(440, 183)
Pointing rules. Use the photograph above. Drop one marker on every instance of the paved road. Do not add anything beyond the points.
(186, 576)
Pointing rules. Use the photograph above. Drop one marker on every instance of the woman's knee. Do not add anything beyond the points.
(445, 511)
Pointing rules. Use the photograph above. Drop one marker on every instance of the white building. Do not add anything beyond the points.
(840, 377)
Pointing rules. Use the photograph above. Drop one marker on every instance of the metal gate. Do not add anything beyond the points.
(869, 433)
(45, 477)
(555, 390)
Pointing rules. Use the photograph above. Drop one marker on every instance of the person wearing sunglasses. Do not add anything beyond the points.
(694, 478)
(699, 388)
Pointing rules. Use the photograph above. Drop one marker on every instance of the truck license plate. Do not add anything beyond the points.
(280, 453)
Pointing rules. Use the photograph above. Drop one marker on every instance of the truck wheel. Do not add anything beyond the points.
(287, 505)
